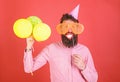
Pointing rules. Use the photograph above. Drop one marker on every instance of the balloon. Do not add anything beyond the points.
(41, 32)
(22, 28)
(34, 20)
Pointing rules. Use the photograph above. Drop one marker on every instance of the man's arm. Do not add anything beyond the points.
(31, 64)
(86, 66)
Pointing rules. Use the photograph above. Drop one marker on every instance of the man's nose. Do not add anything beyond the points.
(69, 29)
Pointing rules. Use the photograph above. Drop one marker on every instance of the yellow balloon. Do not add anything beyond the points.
(34, 20)
(41, 32)
(22, 28)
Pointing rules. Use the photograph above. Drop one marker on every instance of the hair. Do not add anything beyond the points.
(68, 17)
(69, 43)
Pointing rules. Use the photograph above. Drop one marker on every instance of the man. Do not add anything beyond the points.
(69, 61)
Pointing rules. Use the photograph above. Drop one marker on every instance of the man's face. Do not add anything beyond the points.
(69, 39)
(69, 26)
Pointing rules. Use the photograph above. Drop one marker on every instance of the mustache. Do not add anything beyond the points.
(69, 33)
(69, 42)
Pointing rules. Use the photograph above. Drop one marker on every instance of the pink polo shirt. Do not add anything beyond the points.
(59, 59)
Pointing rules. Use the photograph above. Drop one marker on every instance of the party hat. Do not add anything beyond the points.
(75, 12)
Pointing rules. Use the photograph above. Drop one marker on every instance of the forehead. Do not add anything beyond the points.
(68, 21)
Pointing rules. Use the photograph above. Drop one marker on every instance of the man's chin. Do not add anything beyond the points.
(69, 41)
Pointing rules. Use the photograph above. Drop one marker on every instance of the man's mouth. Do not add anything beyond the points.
(69, 35)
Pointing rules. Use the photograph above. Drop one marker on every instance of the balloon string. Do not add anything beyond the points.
(33, 48)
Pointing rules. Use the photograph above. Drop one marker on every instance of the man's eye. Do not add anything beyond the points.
(77, 25)
(65, 26)
(73, 26)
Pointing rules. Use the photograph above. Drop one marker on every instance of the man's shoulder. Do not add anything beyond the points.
(81, 46)
(54, 44)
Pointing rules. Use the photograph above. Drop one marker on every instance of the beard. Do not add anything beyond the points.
(69, 42)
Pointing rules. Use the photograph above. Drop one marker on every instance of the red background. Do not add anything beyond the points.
(101, 19)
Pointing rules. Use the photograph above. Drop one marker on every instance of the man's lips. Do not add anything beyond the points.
(69, 35)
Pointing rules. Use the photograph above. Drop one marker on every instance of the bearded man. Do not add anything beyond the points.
(69, 60)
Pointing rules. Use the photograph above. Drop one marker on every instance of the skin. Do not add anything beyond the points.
(78, 62)
(76, 59)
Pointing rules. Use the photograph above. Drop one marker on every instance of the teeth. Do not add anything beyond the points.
(69, 36)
